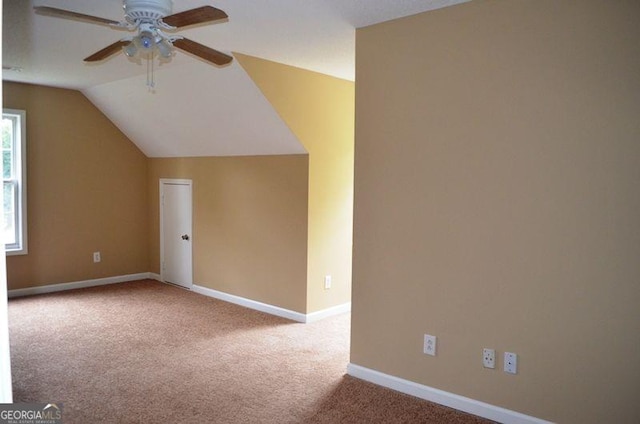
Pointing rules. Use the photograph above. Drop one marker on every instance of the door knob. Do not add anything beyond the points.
(185, 237)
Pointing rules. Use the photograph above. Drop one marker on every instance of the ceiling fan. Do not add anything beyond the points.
(154, 24)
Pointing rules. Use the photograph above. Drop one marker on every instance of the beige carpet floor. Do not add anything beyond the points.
(146, 352)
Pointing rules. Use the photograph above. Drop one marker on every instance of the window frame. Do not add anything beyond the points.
(20, 181)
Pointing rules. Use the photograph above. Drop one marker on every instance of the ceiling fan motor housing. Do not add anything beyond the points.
(146, 10)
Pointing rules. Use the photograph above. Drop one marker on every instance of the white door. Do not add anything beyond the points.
(175, 232)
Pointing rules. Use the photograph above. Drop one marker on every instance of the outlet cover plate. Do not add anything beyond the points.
(327, 282)
(510, 363)
(489, 358)
(429, 345)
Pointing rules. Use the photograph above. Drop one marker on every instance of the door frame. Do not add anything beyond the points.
(174, 181)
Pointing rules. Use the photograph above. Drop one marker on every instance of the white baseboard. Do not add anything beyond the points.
(329, 312)
(251, 304)
(29, 291)
(247, 303)
(270, 309)
(441, 397)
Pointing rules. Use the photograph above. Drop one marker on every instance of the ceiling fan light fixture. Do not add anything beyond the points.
(146, 41)
(130, 49)
(164, 48)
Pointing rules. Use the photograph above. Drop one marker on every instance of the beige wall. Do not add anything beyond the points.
(319, 110)
(86, 191)
(249, 224)
(497, 203)
(90, 189)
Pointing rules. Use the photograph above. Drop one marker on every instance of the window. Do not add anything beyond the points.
(14, 206)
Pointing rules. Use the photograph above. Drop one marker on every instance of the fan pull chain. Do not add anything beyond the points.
(150, 77)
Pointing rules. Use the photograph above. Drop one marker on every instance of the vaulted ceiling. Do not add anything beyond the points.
(196, 109)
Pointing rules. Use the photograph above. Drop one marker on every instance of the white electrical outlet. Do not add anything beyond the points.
(327, 282)
(489, 358)
(510, 363)
(96, 257)
(429, 345)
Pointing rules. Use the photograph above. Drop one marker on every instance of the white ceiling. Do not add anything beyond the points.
(193, 97)
(221, 105)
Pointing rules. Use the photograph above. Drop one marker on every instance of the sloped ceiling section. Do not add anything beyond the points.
(198, 110)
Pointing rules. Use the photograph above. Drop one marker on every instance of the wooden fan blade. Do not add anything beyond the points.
(107, 51)
(194, 16)
(67, 14)
(204, 52)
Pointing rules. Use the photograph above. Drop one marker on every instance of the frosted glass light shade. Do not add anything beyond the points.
(164, 48)
(130, 49)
